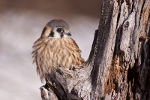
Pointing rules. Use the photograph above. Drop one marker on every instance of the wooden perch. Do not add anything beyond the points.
(118, 67)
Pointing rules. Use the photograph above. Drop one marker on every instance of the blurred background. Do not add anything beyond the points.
(21, 23)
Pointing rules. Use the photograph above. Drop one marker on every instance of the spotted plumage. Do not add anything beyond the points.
(56, 48)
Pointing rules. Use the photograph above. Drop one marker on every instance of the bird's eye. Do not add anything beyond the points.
(60, 30)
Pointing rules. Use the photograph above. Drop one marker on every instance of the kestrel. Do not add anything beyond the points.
(56, 48)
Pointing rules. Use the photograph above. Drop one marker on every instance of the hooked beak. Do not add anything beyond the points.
(69, 34)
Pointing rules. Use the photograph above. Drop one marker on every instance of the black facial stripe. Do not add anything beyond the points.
(51, 34)
(43, 31)
(61, 35)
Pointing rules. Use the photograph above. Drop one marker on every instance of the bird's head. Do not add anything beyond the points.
(57, 29)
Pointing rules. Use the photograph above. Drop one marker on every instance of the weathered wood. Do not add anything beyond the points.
(118, 67)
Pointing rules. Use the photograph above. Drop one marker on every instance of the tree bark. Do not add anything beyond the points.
(118, 67)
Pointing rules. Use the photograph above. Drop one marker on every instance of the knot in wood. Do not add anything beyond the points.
(126, 25)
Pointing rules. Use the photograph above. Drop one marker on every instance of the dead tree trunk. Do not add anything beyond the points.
(118, 67)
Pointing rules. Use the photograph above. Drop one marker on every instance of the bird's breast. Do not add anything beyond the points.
(56, 53)
(62, 52)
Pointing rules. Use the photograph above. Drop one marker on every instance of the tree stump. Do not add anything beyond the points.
(118, 67)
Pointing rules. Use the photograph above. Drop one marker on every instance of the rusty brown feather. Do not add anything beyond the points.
(56, 52)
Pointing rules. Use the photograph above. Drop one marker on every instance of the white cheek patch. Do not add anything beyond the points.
(65, 35)
(56, 34)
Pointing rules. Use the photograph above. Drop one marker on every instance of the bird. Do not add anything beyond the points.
(56, 48)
